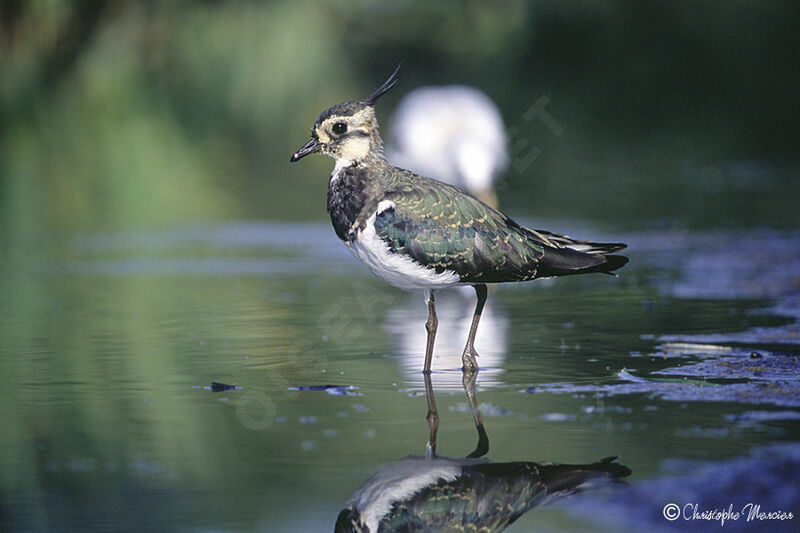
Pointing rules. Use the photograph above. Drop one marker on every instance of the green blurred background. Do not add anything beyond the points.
(150, 114)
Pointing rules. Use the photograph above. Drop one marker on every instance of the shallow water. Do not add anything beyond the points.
(111, 343)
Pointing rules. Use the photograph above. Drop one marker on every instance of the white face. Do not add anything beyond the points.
(349, 138)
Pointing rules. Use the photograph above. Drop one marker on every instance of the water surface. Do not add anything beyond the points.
(111, 343)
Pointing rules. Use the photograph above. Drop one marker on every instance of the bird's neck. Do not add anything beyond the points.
(371, 159)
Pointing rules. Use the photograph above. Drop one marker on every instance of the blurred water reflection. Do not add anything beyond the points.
(454, 309)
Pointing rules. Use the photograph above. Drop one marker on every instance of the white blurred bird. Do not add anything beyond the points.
(454, 134)
(451, 133)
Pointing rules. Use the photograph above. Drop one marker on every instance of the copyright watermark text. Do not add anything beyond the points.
(750, 512)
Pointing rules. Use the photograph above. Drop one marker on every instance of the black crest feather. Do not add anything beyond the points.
(385, 88)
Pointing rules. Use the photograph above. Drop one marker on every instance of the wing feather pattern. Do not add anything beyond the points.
(439, 226)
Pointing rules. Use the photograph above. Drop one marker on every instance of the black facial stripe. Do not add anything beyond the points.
(354, 133)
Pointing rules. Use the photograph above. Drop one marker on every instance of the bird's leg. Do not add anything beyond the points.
(468, 358)
(433, 417)
(433, 413)
(468, 380)
(430, 327)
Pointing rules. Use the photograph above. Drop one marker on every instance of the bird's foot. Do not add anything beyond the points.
(468, 359)
(430, 451)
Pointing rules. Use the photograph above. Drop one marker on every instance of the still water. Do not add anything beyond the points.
(686, 367)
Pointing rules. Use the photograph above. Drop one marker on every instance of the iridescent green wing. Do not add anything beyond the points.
(439, 226)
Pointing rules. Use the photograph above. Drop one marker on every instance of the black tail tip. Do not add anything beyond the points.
(614, 262)
(614, 469)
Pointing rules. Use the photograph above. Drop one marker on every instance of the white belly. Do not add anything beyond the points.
(396, 269)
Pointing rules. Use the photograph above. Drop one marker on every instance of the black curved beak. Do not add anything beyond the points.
(309, 148)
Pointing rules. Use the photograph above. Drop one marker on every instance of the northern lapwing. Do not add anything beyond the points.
(418, 233)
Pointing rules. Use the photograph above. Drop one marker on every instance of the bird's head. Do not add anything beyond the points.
(349, 521)
(348, 132)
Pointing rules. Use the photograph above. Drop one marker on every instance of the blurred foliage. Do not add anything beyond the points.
(121, 114)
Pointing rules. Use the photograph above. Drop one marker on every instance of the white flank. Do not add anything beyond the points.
(401, 480)
(395, 269)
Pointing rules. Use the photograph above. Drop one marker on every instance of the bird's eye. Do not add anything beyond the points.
(339, 128)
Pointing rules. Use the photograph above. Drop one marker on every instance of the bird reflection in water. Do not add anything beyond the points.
(433, 493)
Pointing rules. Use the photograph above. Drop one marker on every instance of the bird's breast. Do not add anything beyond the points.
(348, 201)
